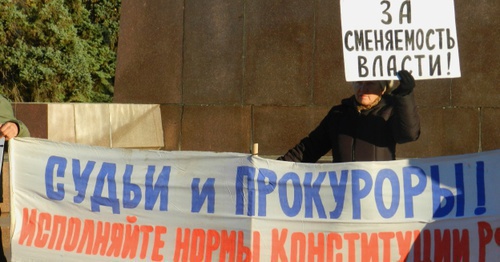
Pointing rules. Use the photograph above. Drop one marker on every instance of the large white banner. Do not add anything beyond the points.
(80, 203)
(382, 37)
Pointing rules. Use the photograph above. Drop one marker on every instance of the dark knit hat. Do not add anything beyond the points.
(386, 84)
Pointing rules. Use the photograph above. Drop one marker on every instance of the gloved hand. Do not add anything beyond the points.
(406, 83)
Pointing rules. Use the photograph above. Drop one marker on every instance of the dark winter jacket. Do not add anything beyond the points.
(369, 135)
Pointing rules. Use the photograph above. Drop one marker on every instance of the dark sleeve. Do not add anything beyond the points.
(405, 119)
(312, 147)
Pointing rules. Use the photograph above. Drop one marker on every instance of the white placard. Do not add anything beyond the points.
(382, 37)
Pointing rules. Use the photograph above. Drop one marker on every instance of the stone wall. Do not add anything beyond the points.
(228, 74)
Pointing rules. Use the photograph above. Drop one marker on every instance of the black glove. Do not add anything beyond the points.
(406, 83)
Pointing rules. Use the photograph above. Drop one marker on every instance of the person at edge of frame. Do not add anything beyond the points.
(366, 126)
(10, 127)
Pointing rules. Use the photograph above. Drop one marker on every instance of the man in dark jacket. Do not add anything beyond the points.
(364, 127)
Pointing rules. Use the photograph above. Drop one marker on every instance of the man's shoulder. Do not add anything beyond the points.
(342, 108)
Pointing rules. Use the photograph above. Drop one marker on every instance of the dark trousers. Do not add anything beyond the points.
(2, 254)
